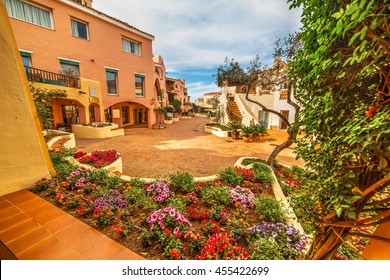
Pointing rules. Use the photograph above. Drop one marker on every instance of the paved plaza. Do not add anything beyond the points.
(184, 146)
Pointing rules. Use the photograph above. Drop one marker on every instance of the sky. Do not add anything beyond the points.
(195, 36)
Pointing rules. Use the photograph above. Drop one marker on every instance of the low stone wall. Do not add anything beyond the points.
(115, 167)
(61, 139)
(185, 117)
(88, 132)
(216, 131)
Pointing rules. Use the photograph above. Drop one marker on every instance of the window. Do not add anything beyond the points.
(130, 46)
(26, 58)
(112, 81)
(30, 13)
(264, 118)
(79, 29)
(69, 68)
(139, 85)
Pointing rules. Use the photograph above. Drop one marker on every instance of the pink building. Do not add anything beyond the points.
(68, 38)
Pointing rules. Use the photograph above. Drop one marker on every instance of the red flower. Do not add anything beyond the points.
(167, 232)
(174, 253)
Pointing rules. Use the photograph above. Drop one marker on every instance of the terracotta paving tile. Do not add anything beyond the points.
(13, 220)
(72, 231)
(28, 240)
(18, 230)
(4, 203)
(20, 196)
(40, 209)
(105, 251)
(64, 253)
(9, 212)
(59, 223)
(41, 250)
(31, 204)
(126, 254)
(87, 240)
(47, 216)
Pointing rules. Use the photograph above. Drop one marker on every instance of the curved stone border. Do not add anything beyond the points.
(114, 167)
(60, 135)
(291, 217)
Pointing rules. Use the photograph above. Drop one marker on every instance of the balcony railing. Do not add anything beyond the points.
(46, 77)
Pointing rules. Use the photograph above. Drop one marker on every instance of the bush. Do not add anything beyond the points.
(262, 249)
(290, 242)
(263, 173)
(183, 181)
(219, 194)
(269, 209)
(230, 176)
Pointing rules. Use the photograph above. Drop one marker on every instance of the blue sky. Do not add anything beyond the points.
(195, 36)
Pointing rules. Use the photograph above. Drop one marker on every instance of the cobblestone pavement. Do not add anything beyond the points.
(184, 146)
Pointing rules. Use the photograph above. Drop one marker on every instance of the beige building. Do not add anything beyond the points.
(24, 155)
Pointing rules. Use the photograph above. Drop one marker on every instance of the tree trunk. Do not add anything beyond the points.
(326, 242)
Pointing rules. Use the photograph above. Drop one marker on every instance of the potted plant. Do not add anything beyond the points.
(258, 131)
(61, 126)
(247, 133)
(234, 127)
(177, 106)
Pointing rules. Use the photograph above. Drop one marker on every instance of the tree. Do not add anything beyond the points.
(41, 97)
(266, 77)
(343, 71)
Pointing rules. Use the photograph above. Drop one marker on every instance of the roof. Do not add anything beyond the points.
(101, 14)
(213, 93)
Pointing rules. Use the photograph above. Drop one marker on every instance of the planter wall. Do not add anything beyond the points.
(185, 117)
(217, 131)
(61, 139)
(168, 121)
(175, 119)
(88, 132)
(115, 167)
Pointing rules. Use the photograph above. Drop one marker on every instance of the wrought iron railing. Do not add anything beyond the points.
(43, 76)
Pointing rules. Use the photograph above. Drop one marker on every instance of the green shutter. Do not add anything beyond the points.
(111, 70)
(140, 76)
(25, 54)
(64, 61)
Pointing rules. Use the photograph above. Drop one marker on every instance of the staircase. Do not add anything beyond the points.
(233, 112)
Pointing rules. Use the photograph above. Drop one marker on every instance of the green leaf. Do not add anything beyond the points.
(339, 211)
(352, 215)
(363, 32)
(383, 162)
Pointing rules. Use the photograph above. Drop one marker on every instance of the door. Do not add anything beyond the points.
(283, 125)
(70, 114)
(125, 114)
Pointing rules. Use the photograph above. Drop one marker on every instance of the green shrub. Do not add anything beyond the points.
(230, 176)
(216, 194)
(137, 196)
(263, 173)
(177, 202)
(262, 249)
(269, 209)
(58, 156)
(248, 161)
(182, 181)
(104, 178)
(137, 183)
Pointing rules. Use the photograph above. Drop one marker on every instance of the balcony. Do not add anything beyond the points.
(46, 77)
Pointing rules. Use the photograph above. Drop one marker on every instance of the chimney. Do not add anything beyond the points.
(87, 3)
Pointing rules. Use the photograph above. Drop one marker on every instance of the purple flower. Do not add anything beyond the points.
(176, 230)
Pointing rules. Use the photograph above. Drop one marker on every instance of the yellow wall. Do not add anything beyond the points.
(81, 95)
(24, 158)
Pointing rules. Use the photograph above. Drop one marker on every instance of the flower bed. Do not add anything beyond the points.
(176, 218)
(295, 184)
(109, 160)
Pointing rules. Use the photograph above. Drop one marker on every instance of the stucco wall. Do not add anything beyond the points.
(24, 157)
(102, 49)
